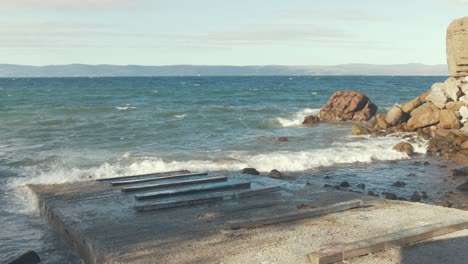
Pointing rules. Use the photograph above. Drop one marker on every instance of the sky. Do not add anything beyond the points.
(225, 32)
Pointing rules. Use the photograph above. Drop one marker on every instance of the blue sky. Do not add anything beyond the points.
(222, 32)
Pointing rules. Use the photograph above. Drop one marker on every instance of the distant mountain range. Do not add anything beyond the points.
(84, 70)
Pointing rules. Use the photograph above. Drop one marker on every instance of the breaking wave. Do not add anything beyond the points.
(297, 118)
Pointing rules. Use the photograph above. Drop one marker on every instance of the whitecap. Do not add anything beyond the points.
(125, 108)
(297, 118)
(180, 116)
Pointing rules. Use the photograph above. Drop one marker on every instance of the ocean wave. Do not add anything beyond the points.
(125, 108)
(297, 118)
(347, 151)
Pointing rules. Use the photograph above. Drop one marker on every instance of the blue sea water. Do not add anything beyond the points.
(56, 130)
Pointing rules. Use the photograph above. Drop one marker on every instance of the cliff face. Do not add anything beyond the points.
(457, 47)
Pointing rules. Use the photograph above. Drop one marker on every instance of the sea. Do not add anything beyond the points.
(58, 130)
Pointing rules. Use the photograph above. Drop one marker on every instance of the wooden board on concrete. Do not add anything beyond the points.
(172, 184)
(205, 199)
(123, 182)
(191, 190)
(143, 175)
(295, 215)
(373, 244)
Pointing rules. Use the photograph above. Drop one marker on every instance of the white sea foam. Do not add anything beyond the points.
(180, 116)
(297, 118)
(124, 108)
(363, 149)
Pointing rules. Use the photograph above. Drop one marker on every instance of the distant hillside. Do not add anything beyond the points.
(84, 70)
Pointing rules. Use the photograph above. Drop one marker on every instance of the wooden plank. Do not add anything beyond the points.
(394, 239)
(296, 215)
(143, 175)
(176, 183)
(191, 190)
(205, 199)
(114, 183)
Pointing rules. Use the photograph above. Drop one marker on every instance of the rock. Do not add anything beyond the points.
(390, 196)
(359, 130)
(463, 186)
(379, 122)
(361, 186)
(457, 41)
(348, 105)
(310, 120)
(424, 195)
(423, 116)
(416, 102)
(437, 95)
(404, 147)
(460, 171)
(415, 197)
(451, 89)
(344, 184)
(251, 171)
(464, 145)
(30, 257)
(463, 113)
(399, 184)
(276, 174)
(326, 185)
(444, 133)
(448, 119)
(401, 198)
(283, 139)
(395, 116)
(454, 106)
(371, 193)
(446, 204)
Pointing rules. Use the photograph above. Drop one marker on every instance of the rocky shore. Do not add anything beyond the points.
(438, 116)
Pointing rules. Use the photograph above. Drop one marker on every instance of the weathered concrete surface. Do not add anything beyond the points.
(100, 223)
(99, 220)
(457, 47)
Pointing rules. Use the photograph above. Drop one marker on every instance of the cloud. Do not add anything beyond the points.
(456, 2)
(267, 33)
(334, 14)
(75, 5)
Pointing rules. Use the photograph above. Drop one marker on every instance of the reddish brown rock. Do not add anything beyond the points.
(423, 116)
(379, 122)
(448, 120)
(310, 120)
(348, 105)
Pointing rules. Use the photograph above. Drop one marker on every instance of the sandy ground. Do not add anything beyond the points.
(290, 242)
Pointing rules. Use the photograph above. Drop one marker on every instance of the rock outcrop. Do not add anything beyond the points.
(457, 49)
(348, 105)
(310, 120)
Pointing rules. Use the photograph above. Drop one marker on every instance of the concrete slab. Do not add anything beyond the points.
(99, 221)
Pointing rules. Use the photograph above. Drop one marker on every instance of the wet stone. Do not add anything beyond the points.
(399, 184)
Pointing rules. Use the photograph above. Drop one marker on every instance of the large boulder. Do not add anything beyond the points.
(448, 119)
(423, 116)
(409, 106)
(451, 89)
(348, 105)
(463, 113)
(437, 95)
(457, 41)
(395, 116)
